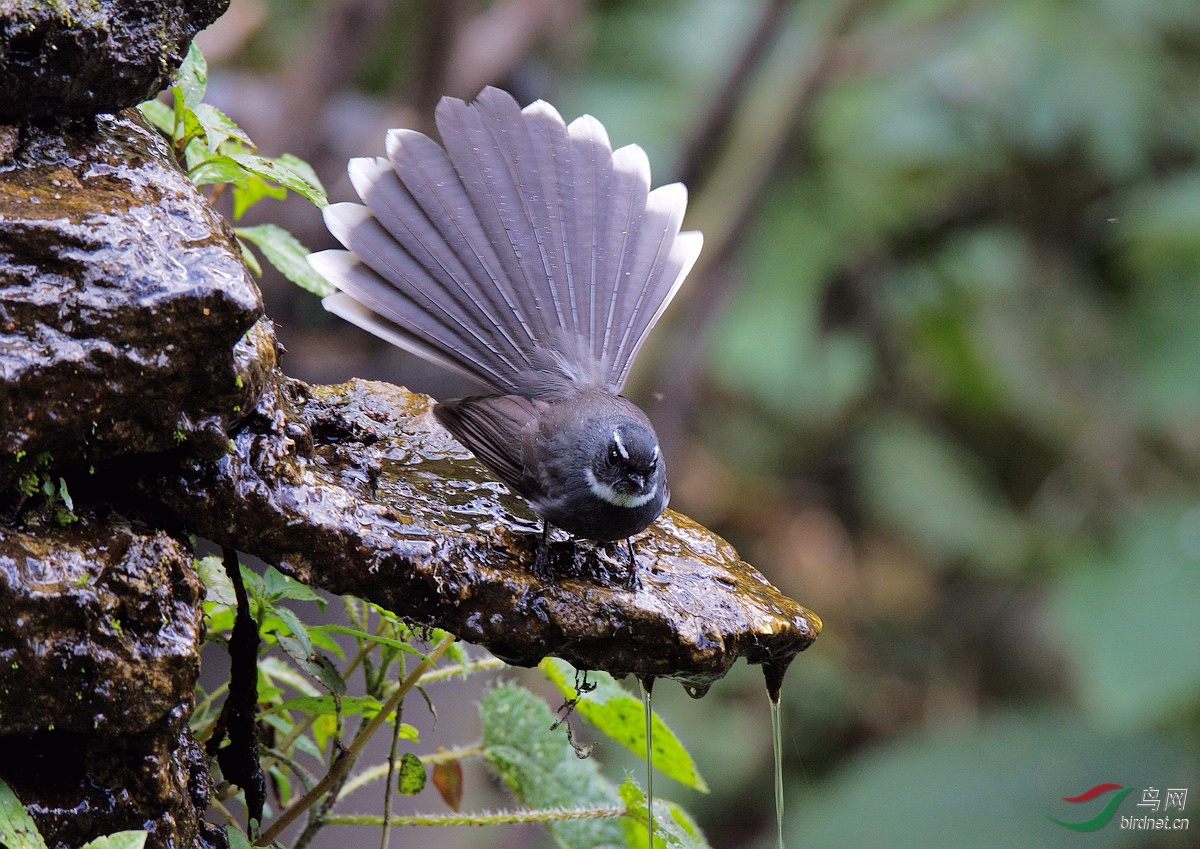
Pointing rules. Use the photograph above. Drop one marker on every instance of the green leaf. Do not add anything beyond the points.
(217, 587)
(219, 128)
(277, 585)
(675, 829)
(370, 638)
(300, 650)
(217, 169)
(328, 705)
(237, 838)
(17, 828)
(192, 79)
(284, 251)
(303, 181)
(927, 487)
(617, 714)
(410, 775)
(160, 115)
(251, 260)
(541, 768)
(274, 670)
(306, 173)
(251, 190)
(119, 840)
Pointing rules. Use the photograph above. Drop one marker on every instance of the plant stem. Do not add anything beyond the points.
(480, 819)
(342, 764)
(380, 770)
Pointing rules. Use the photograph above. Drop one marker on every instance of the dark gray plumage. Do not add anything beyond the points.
(531, 257)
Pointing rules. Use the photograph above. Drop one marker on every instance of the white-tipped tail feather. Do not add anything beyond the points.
(526, 250)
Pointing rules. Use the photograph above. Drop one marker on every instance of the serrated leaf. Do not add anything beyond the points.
(274, 669)
(119, 840)
(289, 620)
(448, 779)
(17, 828)
(284, 251)
(315, 664)
(306, 173)
(673, 827)
(621, 716)
(284, 174)
(541, 768)
(218, 127)
(277, 585)
(192, 79)
(410, 775)
(217, 587)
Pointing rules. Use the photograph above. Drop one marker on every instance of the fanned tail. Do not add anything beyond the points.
(525, 253)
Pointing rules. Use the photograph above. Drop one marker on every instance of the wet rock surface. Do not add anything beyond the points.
(72, 58)
(356, 489)
(100, 626)
(127, 317)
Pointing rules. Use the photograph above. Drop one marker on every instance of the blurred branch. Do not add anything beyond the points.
(490, 46)
(763, 123)
(760, 125)
(434, 66)
(699, 152)
(323, 67)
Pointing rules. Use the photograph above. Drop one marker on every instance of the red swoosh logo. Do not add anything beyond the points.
(1088, 795)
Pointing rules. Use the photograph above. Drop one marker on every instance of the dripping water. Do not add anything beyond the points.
(777, 744)
(647, 682)
(774, 672)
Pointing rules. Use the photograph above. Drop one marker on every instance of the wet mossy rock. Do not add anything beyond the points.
(100, 630)
(128, 321)
(75, 58)
(356, 489)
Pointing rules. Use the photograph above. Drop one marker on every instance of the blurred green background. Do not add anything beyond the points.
(937, 373)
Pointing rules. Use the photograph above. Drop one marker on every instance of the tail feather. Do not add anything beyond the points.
(404, 292)
(428, 175)
(524, 251)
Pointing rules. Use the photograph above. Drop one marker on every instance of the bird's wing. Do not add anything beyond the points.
(494, 428)
(525, 248)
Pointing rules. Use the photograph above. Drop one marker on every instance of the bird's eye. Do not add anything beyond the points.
(613, 454)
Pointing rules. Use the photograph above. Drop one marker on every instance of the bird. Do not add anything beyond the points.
(528, 255)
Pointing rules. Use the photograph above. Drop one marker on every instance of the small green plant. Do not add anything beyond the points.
(38, 487)
(216, 152)
(19, 831)
(313, 726)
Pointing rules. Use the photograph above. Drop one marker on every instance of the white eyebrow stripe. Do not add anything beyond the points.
(620, 445)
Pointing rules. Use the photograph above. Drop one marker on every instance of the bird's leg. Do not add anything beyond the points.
(541, 561)
(632, 564)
